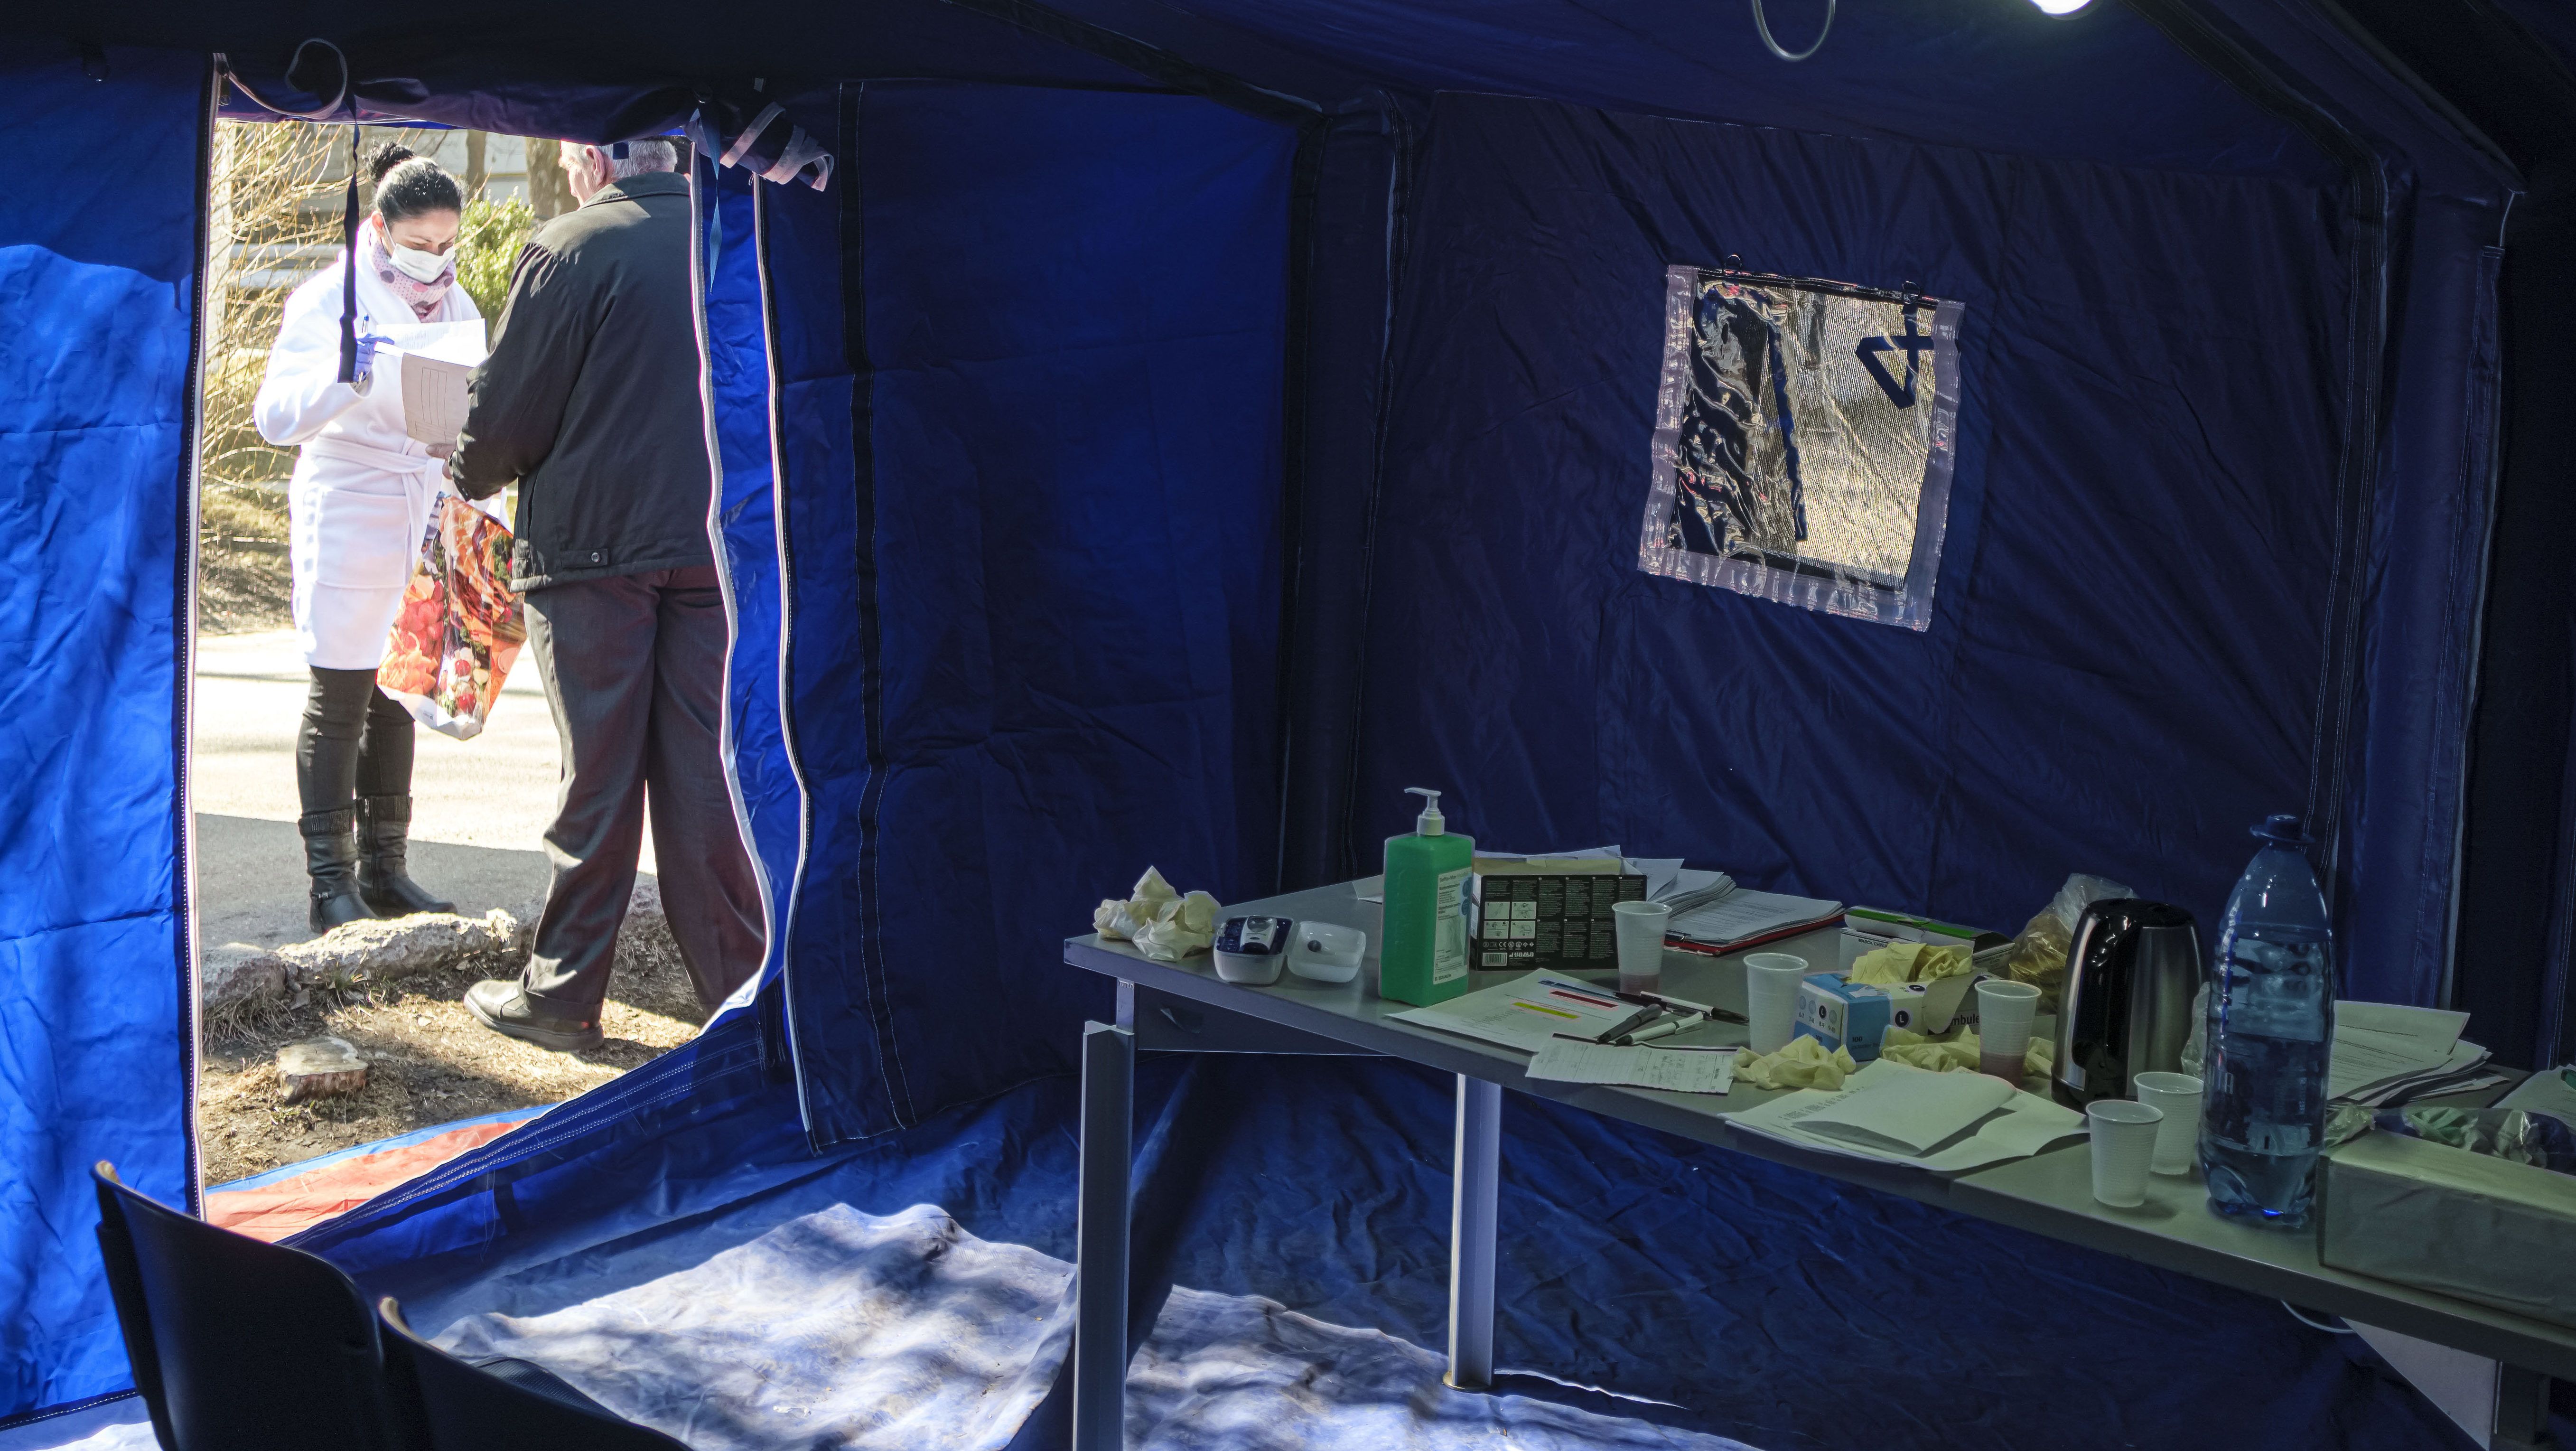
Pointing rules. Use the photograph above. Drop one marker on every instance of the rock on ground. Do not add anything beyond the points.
(233, 982)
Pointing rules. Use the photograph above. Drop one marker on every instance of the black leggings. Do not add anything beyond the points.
(356, 742)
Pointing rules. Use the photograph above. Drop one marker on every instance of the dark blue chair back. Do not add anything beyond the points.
(239, 1345)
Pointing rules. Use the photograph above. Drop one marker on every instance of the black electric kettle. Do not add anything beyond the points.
(2130, 975)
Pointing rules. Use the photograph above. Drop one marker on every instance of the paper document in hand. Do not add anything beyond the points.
(449, 342)
(434, 398)
(438, 359)
(1678, 1070)
(1526, 1013)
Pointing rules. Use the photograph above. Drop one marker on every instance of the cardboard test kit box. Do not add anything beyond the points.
(2443, 1219)
(1550, 915)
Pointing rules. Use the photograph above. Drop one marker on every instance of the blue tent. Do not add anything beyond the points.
(1176, 428)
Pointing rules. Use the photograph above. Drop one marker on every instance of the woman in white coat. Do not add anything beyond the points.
(358, 506)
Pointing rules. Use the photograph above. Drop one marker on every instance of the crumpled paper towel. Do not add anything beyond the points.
(1903, 962)
(1803, 1064)
(1165, 925)
(1955, 1052)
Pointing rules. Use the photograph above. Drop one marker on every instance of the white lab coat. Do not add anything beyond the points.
(359, 501)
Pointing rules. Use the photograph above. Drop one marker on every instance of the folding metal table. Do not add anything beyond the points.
(1185, 1007)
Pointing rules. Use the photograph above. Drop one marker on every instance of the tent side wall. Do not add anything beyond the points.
(2192, 575)
(2517, 906)
(1029, 363)
(2153, 384)
(735, 337)
(100, 253)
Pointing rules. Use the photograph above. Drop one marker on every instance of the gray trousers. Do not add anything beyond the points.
(634, 668)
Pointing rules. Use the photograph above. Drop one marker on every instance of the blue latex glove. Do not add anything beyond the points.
(366, 373)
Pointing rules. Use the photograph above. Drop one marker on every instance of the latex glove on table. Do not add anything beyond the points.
(1165, 925)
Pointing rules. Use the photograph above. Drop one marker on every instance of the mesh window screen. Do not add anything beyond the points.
(1803, 442)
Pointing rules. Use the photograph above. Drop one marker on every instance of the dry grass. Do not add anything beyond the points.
(430, 1062)
(241, 573)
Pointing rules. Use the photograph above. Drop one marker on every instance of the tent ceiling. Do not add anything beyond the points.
(1992, 74)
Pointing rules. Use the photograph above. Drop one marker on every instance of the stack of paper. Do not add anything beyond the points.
(1943, 1123)
(2385, 1055)
(1740, 915)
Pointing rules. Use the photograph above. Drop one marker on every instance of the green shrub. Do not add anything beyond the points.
(487, 248)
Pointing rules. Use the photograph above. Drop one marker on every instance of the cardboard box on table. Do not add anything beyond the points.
(2468, 1225)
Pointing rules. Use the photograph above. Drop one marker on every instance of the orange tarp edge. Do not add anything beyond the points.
(274, 1211)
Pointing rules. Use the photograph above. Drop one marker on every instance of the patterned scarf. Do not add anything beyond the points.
(427, 300)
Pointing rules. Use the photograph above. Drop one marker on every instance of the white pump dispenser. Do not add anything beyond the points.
(1430, 822)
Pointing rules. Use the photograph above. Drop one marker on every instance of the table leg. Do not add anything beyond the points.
(2522, 1411)
(1472, 1225)
(1100, 1238)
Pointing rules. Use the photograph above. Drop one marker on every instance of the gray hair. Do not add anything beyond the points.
(653, 153)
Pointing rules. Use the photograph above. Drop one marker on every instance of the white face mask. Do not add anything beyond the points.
(416, 264)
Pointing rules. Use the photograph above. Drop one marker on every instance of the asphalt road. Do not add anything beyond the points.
(479, 814)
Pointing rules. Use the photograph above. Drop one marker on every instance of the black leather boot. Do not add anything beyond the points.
(384, 838)
(331, 860)
(504, 1007)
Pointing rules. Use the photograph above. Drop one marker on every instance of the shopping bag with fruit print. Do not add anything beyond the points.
(460, 626)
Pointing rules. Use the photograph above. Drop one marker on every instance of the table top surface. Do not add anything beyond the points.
(2049, 1193)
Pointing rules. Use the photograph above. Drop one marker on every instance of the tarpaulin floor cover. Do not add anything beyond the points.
(298, 1196)
(1291, 1248)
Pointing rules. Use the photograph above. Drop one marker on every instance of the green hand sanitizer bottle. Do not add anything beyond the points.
(1422, 949)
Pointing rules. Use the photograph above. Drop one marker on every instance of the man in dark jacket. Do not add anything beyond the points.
(590, 401)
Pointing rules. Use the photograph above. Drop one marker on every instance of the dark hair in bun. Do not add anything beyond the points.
(409, 185)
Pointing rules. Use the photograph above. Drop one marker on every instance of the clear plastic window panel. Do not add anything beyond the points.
(1803, 442)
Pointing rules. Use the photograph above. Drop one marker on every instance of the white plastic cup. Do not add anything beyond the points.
(1641, 944)
(2004, 1011)
(2178, 1137)
(2124, 1144)
(1771, 983)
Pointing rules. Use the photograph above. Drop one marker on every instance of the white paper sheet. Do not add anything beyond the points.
(2367, 1061)
(434, 399)
(2549, 1091)
(449, 342)
(1526, 1013)
(1678, 1070)
(2361, 1060)
(438, 360)
(2433, 1028)
(1913, 1114)
(2025, 1125)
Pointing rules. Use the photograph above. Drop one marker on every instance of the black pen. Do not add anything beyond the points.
(1682, 1005)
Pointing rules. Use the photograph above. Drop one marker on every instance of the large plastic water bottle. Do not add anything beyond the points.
(2270, 1035)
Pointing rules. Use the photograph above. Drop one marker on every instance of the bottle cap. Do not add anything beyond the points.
(2283, 830)
(1430, 822)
